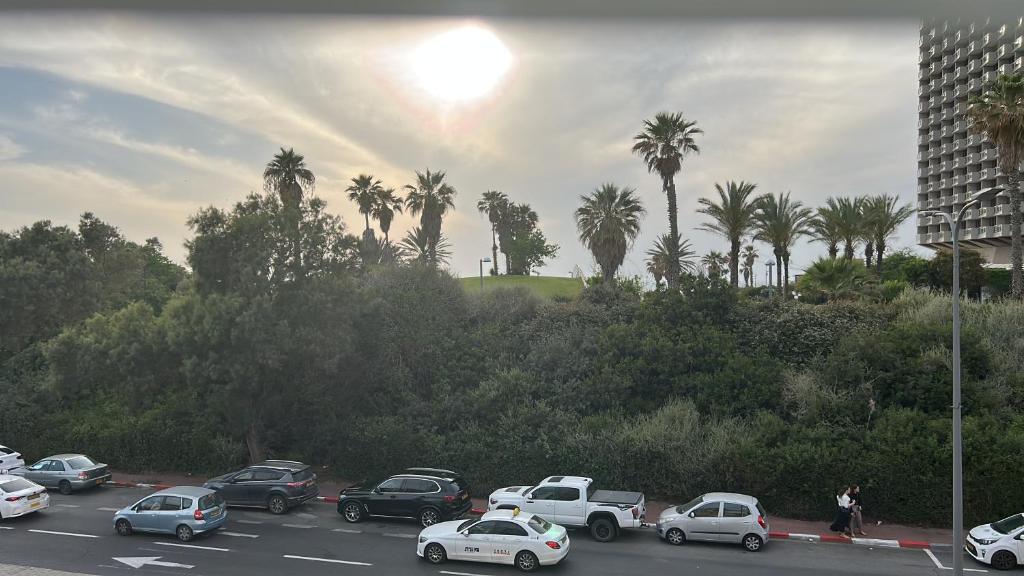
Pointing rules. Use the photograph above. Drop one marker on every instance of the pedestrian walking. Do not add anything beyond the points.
(841, 523)
(856, 507)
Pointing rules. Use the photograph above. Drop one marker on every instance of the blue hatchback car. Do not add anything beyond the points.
(184, 511)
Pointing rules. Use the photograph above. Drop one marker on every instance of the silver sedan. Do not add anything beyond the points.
(65, 472)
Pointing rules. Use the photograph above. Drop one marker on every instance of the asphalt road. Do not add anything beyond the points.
(76, 535)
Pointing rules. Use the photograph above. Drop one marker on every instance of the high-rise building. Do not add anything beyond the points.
(957, 62)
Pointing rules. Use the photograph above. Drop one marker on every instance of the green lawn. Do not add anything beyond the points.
(544, 286)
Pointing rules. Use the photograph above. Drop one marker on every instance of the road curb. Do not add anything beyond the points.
(834, 539)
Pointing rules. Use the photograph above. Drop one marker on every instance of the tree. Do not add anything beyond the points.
(906, 267)
(660, 255)
(287, 176)
(999, 115)
(491, 204)
(715, 264)
(779, 222)
(385, 205)
(883, 216)
(608, 221)
(365, 191)
(827, 227)
(748, 256)
(430, 198)
(833, 279)
(973, 275)
(732, 217)
(417, 247)
(663, 145)
(850, 218)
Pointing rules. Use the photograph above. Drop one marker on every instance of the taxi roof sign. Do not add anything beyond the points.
(515, 511)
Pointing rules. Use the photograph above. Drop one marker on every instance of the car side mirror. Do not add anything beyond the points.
(529, 496)
(465, 533)
(692, 515)
(136, 507)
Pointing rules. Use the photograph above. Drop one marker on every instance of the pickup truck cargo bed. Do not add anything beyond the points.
(616, 497)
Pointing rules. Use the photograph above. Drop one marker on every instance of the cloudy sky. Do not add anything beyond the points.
(144, 119)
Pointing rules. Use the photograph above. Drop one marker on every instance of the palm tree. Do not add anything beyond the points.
(826, 227)
(491, 203)
(999, 115)
(363, 192)
(663, 145)
(884, 217)
(732, 217)
(748, 256)
(660, 255)
(715, 264)
(850, 214)
(430, 198)
(385, 205)
(287, 175)
(834, 279)
(779, 222)
(608, 221)
(418, 246)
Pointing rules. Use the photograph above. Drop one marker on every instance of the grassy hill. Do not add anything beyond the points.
(544, 286)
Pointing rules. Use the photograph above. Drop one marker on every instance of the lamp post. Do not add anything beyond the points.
(482, 260)
(958, 471)
(770, 265)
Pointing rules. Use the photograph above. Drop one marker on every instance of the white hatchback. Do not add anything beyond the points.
(998, 544)
(512, 537)
(19, 496)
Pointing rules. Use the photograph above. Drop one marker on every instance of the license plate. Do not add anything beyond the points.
(100, 481)
(36, 504)
(465, 496)
(33, 496)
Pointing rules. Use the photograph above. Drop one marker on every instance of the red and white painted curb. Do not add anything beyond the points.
(877, 542)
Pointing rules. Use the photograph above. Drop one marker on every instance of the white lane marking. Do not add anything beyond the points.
(877, 542)
(64, 533)
(248, 521)
(108, 509)
(69, 505)
(192, 546)
(239, 534)
(6, 528)
(399, 535)
(347, 531)
(140, 561)
(941, 567)
(460, 573)
(297, 526)
(327, 560)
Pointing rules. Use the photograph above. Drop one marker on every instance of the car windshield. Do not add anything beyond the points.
(80, 462)
(539, 525)
(16, 485)
(689, 505)
(1007, 525)
(466, 524)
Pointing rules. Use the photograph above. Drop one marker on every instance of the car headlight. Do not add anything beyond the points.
(986, 542)
(423, 539)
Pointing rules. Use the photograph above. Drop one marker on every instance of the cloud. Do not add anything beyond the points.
(9, 149)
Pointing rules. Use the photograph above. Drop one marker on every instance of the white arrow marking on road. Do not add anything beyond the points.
(140, 561)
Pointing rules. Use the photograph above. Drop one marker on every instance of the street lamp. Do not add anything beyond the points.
(958, 480)
(482, 260)
(769, 264)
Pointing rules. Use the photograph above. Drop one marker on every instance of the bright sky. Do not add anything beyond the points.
(143, 120)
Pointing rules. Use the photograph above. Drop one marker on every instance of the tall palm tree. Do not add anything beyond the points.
(732, 217)
(715, 264)
(491, 203)
(885, 215)
(748, 256)
(660, 255)
(663, 145)
(999, 115)
(417, 246)
(780, 222)
(385, 205)
(430, 198)
(363, 192)
(287, 175)
(608, 221)
(850, 213)
(826, 226)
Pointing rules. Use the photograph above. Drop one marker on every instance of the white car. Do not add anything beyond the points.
(9, 459)
(19, 496)
(998, 544)
(500, 537)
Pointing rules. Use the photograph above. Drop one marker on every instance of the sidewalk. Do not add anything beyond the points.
(907, 536)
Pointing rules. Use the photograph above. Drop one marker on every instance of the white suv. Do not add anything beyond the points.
(998, 544)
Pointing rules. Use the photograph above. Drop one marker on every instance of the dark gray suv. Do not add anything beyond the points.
(276, 485)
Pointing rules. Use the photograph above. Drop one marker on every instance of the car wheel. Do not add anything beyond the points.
(752, 542)
(352, 511)
(277, 504)
(65, 487)
(429, 517)
(435, 554)
(602, 530)
(184, 533)
(123, 527)
(675, 537)
(1004, 560)
(526, 561)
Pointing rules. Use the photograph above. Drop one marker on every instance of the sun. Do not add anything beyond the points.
(462, 64)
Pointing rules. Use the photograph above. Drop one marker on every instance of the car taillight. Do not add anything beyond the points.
(296, 484)
(198, 514)
(636, 512)
(553, 545)
(449, 499)
(83, 476)
(13, 498)
(760, 520)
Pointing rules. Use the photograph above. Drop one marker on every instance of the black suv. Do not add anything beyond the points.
(428, 494)
(276, 485)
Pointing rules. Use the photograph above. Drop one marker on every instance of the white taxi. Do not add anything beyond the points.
(512, 537)
(19, 496)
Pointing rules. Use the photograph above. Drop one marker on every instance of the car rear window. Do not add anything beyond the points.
(302, 475)
(760, 510)
(539, 525)
(80, 462)
(6, 450)
(459, 483)
(210, 501)
(16, 485)
(1007, 525)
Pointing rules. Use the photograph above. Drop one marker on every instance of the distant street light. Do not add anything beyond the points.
(482, 260)
(770, 265)
(958, 471)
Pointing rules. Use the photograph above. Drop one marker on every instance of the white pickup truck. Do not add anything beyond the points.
(573, 501)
